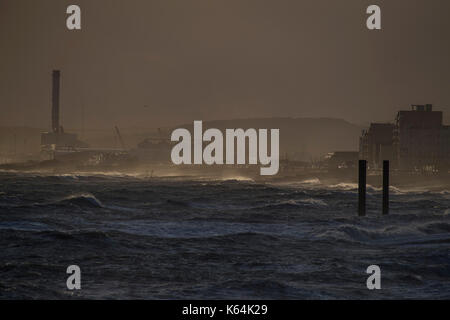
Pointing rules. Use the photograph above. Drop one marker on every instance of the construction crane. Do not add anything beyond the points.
(119, 137)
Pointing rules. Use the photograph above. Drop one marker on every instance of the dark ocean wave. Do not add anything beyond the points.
(178, 237)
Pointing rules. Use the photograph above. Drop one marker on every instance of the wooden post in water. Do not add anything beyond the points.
(362, 187)
(385, 187)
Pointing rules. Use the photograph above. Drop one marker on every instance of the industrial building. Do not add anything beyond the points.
(417, 141)
(342, 159)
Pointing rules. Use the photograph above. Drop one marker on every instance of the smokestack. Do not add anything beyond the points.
(55, 101)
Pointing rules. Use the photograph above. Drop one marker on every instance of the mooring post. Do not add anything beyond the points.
(362, 187)
(385, 187)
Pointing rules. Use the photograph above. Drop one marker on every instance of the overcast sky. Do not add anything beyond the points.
(154, 63)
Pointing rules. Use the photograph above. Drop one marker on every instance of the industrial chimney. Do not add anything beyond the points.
(55, 101)
(57, 138)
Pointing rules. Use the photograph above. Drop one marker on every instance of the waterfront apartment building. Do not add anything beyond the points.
(417, 140)
(376, 144)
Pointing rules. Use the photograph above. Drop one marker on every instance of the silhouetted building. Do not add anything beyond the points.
(417, 138)
(417, 141)
(445, 148)
(153, 150)
(376, 144)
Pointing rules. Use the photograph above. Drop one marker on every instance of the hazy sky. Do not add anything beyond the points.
(221, 59)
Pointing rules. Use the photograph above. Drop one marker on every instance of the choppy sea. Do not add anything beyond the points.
(136, 237)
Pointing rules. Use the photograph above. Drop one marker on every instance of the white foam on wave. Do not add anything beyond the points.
(396, 190)
(69, 176)
(311, 181)
(93, 201)
(303, 184)
(318, 202)
(89, 197)
(345, 186)
(302, 202)
(236, 178)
